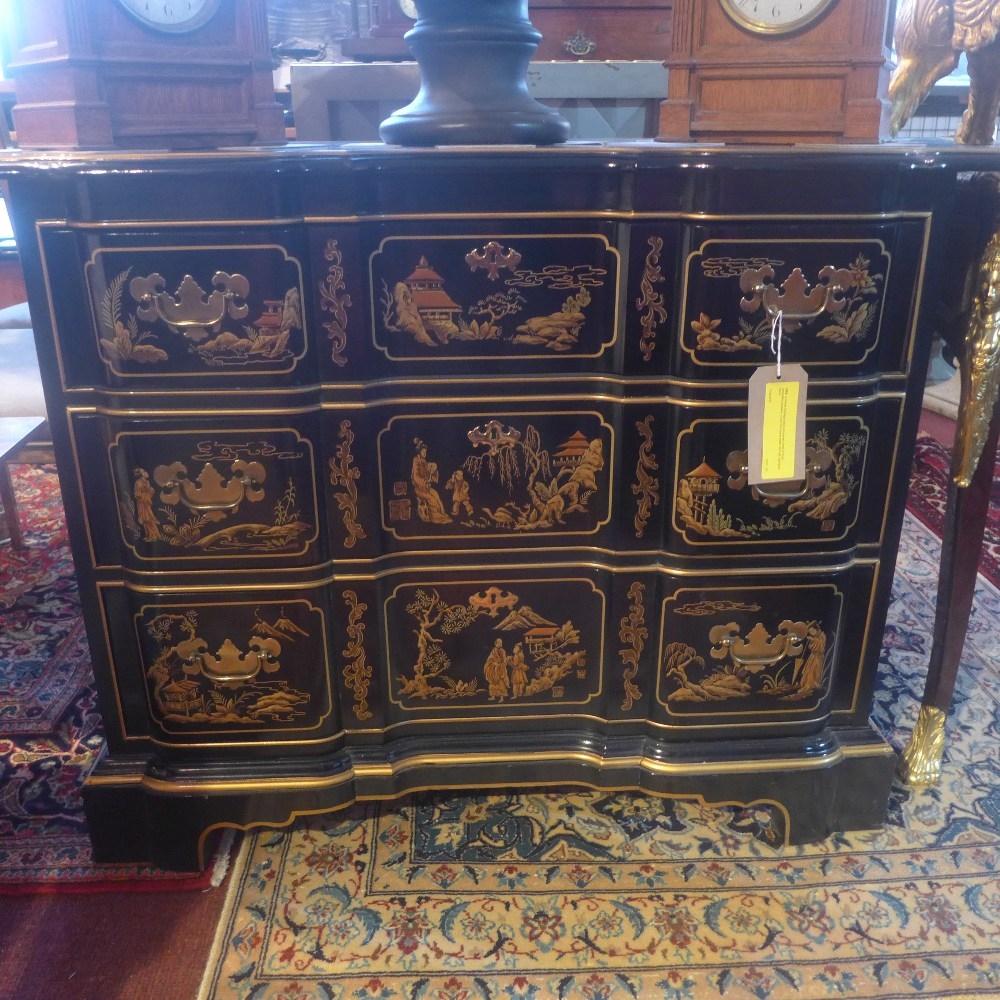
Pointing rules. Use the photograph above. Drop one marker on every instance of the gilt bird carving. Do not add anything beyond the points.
(930, 37)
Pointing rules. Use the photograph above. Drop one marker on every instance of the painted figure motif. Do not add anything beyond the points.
(506, 481)
(788, 666)
(542, 655)
(190, 684)
(177, 509)
(144, 494)
(424, 477)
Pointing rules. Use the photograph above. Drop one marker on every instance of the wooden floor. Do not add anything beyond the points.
(109, 946)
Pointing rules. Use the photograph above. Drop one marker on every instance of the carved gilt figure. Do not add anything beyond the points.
(930, 37)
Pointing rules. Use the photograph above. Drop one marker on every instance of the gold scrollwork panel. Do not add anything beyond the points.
(834, 284)
(494, 473)
(201, 311)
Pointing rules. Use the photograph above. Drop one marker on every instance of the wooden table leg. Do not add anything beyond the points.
(965, 522)
(9, 504)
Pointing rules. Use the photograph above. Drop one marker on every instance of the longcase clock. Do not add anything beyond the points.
(147, 73)
(777, 71)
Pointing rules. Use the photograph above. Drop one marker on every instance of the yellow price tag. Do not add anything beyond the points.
(779, 447)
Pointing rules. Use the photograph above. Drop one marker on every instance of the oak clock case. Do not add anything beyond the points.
(445, 487)
(783, 71)
(142, 73)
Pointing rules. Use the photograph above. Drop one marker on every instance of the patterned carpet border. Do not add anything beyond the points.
(928, 498)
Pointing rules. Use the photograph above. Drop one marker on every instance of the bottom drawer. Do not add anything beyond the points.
(537, 648)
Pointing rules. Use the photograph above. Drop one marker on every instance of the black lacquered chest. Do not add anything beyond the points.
(395, 470)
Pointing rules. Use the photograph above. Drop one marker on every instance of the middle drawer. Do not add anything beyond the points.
(222, 490)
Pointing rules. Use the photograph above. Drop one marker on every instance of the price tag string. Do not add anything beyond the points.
(777, 333)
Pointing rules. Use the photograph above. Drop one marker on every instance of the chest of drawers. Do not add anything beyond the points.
(391, 470)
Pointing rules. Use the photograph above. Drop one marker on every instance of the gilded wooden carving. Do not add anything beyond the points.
(646, 488)
(334, 300)
(653, 312)
(920, 764)
(633, 633)
(535, 296)
(495, 475)
(345, 474)
(357, 671)
(931, 35)
(980, 367)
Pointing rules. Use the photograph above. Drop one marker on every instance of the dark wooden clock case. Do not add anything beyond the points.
(826, 82)
(294, 601)
(89, 74)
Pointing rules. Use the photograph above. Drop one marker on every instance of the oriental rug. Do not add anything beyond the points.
(50, 728)
(585, 895)
(928, 498)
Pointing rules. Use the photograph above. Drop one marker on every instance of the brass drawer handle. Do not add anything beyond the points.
(191, 311)
(759, 650)
(813, 473)
(579, 44)
(795, 298)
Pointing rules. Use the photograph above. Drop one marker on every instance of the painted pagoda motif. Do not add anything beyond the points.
(442, 298)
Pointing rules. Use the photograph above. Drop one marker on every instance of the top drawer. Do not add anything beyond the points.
(219, 306)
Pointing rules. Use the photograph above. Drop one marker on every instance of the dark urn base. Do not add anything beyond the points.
(473, 57)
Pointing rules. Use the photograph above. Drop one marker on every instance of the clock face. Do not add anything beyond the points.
(171, 15)
(774, 17)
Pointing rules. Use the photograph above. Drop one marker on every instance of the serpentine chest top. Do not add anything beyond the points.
(390, 470)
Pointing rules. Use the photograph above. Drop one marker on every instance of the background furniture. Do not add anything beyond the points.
(601, 100)
(571, 29)
(431, 473)
(91, 73)
(15, 433)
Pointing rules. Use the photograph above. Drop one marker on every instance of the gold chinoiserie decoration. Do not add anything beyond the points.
(646, 488)
(334, 301)
(190, 684)
(650, 301)
(980, 367)
(345, 474)
(199, 318)
(632, 631)
(920, 765)
(358, 672)
(790, 665)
